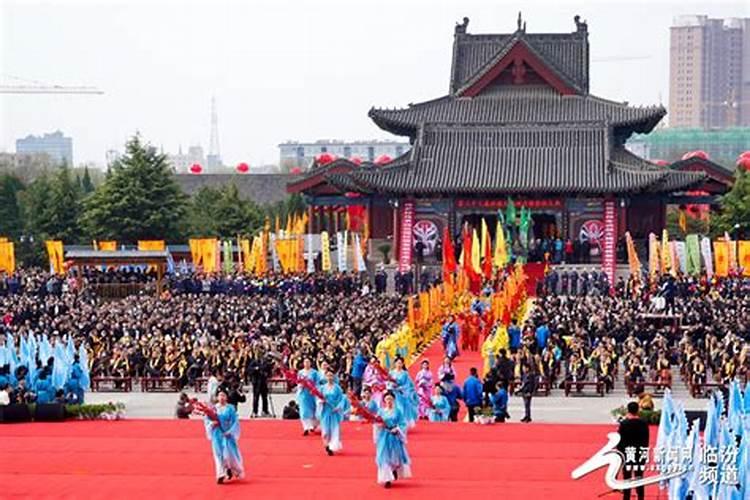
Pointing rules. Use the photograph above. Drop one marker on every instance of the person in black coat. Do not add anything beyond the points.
(381, 281)
(634, 438)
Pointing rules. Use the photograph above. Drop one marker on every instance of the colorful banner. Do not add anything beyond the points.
(145, 245)
(744, 256)
(732, 251)
(693, 254)
(680, 251)
(107, 245)
(274, 255)
(634, 263)
(405, 241)
(195, 251)
(228, 261)
(666, 253)
(721, 255)
(500, 258)
(653, 254)
(609, 245)
(325, 252)
(359, 261)
(341, 238)
(56, 256)
(707, 256)
(310, 254)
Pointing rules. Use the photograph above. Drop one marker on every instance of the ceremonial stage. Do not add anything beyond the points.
(143, 459)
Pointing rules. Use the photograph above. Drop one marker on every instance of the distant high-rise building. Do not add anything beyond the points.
(709, 81)
(300, 154)
(213, 160)
(58, 147)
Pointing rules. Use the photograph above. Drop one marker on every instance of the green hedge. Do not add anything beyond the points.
(88, 411)
(650, 416)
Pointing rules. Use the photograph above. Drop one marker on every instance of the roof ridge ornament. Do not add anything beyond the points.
(461, 27)
(581, 26)
(521, 23)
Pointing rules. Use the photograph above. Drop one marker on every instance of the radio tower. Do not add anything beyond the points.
(214, 156)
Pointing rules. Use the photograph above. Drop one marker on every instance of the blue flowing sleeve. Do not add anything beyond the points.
(210, 428)
(232, 424)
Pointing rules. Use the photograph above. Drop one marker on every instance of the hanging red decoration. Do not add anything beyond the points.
(383, 159)
(661, 163)
(743, 162)
(324, 158)
(295, 171)
(695, 154)
(243, 168)
(356, 160)
(196, 168)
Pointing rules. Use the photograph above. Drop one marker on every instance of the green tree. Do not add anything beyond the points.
(64, 208)
(35, 203)
(735, 208)
(139, 198)
(11, 220)
(87, 186)
(222, 213)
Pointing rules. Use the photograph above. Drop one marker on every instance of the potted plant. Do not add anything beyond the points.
(385, 249)
(485, 416)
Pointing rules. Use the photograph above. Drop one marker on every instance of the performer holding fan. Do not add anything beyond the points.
(305, 398)
(331, 412)
(391, 455)
(223, 430)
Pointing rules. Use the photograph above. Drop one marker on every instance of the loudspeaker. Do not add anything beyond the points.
(693, 414)
(53, 412)
(14, 413)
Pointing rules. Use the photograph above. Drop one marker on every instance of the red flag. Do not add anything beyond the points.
(449, 254)
(487, 264)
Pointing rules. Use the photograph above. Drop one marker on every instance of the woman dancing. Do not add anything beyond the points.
(441, 407)
(391, 455)
(425, 384)
(224, 434)
(406, 394)
(331, 413)
(305, 399)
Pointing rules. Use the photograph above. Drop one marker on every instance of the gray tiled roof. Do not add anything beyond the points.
(260, 188)
(567, 53)
(517, 104)
(565, 158)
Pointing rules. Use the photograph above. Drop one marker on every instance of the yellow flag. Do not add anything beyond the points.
(721, 258)
(744, 257)
(55, 253)
(633, 262)
(476, 253)
(485, 236)
(666, 261)
(147, 245)
(653, 254)
(325, 250)
(501, 254)
(107, 245)
(7, 257)
(195, 251)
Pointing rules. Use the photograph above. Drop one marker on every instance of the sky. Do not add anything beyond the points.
(283, 69)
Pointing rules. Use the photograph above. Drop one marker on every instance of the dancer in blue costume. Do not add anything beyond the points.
(407, 399)
(224, 436)
(441, 407)
(331, 413)
(391, 455)
(305, 399)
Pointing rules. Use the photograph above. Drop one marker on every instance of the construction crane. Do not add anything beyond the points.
(37, 87)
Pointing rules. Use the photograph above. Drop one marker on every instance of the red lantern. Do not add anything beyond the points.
(324, 158)
(356, 160)
(661, 163)
(295, 171)
(743, 162)
(243, 168)
(695, 154)
(383, 159)
(196, 168)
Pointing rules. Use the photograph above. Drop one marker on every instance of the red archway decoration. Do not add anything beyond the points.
(243, 168)
(324, 158)
(196, 168)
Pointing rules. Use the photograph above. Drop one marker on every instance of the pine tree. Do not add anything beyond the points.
(139, 199)
(64, 208)
(11, 221)
(86, 185)
(735, 207)
(223, 213)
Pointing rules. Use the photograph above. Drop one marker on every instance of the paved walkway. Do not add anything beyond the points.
(555, 408)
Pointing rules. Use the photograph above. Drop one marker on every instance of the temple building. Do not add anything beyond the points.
(518, 123)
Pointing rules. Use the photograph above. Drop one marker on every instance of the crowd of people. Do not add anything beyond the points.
(579, 331)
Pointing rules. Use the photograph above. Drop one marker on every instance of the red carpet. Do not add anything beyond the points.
(144, 459)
